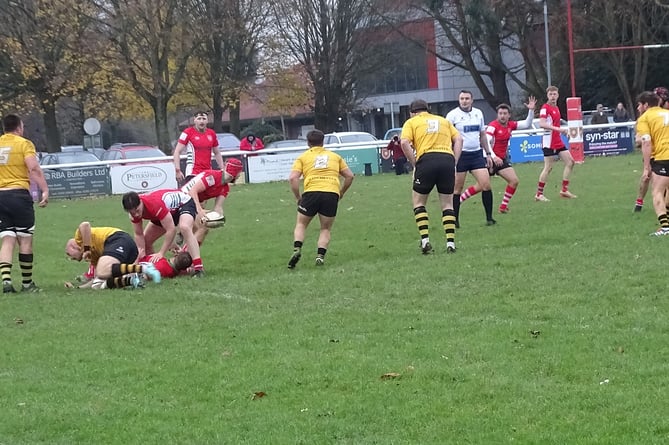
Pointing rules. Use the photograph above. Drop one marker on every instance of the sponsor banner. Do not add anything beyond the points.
(526, 148)
(356, 159)
(267, 168)
(276, 167)
(77, 182)
(608, 141)
(142, 178)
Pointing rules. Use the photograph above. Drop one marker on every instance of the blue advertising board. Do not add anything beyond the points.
(526, 148)
(596, 142)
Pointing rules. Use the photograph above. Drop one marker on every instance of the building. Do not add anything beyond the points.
(386, 97)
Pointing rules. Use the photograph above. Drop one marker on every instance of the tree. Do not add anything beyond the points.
(287, 91)
(227, 58)
(151, 41)
(326, 37)
(41, 61)
(492, 40)
(621, 74)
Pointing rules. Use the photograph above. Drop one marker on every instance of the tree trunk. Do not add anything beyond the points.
(217, 109)
(51, 125)
(234, 120)
(160, 120)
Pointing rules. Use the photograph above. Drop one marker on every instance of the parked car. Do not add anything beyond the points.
(132, 151)
(287, 143)
(227, 141)
(348, 137)
(391, 133)
(362, 155)
(67, 157)
(97, 151)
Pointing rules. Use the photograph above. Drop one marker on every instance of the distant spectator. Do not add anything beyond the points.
(621, 114)
(251, 143)
(599, 116)
(399, 159)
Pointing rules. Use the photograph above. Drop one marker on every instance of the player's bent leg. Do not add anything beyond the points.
(301, 225)
(103, 269)
(644, 183)
(324, 238)
(151, 233)
(659, 187)
(186, 226)
(299, 232)
(509, 175)
(543, 177)
(568, 160)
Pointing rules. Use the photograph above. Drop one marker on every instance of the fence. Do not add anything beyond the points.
(145, 175)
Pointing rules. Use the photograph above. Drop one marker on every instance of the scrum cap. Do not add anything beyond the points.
(662, 92)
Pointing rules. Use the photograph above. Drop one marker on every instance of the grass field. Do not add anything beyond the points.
(548, 328)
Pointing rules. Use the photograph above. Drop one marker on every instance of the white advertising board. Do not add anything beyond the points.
(142, 178)
(266, 168)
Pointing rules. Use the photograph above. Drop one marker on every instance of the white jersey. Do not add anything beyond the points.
(470, 124)
(190, 159)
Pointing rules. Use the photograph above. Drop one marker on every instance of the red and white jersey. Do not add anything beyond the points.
(500, 135)
(213, 184)
(551, 139)
(159, 204)
(163, 265)
(198, 149)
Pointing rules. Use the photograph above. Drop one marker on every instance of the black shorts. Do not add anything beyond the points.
(498, 168)
(187, 209)
(471, 160)
(121, 246)
(434, 169)
(553, 151)
(660, 168)
(17, 214)
(324, 203)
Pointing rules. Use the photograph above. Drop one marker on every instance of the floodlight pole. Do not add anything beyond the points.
(548, 46)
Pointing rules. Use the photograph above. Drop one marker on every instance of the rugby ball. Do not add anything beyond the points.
(214, 219)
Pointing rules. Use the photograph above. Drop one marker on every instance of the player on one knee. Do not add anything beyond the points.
(112, 252)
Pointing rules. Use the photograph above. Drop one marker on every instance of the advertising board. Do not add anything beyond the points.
(78, 182)
(142, 178)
